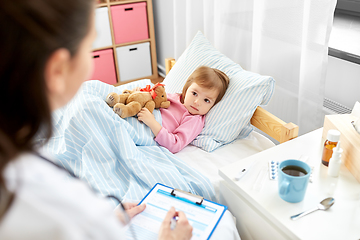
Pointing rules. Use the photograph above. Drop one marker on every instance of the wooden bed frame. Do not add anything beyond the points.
(262, 119)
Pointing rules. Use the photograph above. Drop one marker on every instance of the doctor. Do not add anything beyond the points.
(45, 50)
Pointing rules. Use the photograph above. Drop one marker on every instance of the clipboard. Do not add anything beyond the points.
(204, 215)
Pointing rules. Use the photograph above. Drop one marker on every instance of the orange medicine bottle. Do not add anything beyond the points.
(333, 137)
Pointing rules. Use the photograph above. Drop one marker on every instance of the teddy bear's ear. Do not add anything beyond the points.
(159, 89)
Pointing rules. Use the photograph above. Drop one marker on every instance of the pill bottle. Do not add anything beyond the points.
(333, 137)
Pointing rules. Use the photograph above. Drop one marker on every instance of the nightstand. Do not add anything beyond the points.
(262, 214)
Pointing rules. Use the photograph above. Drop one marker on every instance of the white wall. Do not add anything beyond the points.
(164, 34)
(343, 77)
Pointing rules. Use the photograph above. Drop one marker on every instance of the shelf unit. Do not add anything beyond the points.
(150, 40)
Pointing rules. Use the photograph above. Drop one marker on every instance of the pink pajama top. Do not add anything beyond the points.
(179, 127)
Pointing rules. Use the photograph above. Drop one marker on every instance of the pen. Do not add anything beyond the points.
(173, 223)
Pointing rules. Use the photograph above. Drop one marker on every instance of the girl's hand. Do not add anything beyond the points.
(148, 118)
(145, 116)
(137, 89)
(182, 231)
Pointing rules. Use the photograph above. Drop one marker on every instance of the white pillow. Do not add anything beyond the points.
(230, 118)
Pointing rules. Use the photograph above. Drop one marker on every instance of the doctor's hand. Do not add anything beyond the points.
(182, 231)
(133, 209)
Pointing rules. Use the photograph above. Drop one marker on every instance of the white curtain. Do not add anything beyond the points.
(286, 39)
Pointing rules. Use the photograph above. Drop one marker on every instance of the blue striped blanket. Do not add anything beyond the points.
(116, 156)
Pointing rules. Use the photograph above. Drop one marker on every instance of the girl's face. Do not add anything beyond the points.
(199, 100)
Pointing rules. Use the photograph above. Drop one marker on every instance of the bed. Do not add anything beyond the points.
(208, 163)
(120, 157)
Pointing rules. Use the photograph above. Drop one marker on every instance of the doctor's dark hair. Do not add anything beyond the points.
(31, 30)
(210, 78)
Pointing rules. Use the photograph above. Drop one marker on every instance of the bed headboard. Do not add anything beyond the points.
(262, 119)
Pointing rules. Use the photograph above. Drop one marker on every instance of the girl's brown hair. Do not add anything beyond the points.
(31, 31)
(210, 78)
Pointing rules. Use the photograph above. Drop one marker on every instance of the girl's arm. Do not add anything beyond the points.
(189, 128)
(148, 118)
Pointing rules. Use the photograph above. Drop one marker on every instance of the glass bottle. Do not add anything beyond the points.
(333, 137)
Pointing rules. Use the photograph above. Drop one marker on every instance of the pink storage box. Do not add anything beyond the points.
(130, 22)
(104, 66)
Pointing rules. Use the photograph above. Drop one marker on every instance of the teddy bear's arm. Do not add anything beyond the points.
(150, 105)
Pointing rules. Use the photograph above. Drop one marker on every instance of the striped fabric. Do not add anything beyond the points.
(116, 156)
(230, 118)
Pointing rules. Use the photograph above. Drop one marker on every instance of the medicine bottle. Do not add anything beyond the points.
(333, 137)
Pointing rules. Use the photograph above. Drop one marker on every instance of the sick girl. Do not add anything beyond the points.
(183, 121)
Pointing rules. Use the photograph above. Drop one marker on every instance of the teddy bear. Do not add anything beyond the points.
(129, 103)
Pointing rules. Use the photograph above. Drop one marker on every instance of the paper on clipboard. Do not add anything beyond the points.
(203, 218)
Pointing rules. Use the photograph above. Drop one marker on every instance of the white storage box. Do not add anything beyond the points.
(134, 61)
(102, 25)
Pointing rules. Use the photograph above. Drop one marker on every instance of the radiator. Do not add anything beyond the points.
(333, 107)
(349, 5)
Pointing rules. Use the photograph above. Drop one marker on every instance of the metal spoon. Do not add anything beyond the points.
(323, 205)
